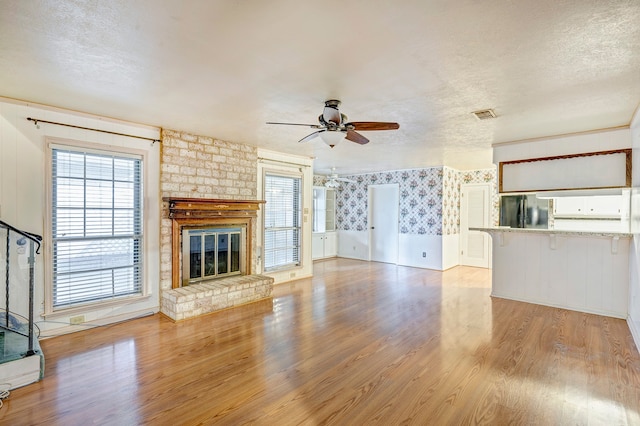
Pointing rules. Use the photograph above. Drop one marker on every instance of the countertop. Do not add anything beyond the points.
(608, 234)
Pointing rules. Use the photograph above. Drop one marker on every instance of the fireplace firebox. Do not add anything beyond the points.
(212, 253)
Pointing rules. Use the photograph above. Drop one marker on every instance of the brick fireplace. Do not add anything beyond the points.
(207, 182)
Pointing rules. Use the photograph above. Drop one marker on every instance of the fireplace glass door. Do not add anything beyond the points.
(211, 253)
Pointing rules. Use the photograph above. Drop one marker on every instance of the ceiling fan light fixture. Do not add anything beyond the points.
(332, 183)
(332, 137)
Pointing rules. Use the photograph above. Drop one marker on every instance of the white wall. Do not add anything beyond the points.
(23, 203)
(353, 244)
(634, 256)
(605, 140)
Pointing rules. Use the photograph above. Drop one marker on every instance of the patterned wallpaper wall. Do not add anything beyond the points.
(429, 198)
(482, 176)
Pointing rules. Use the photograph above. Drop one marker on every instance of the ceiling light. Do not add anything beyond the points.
(332, 137)
(484, 114)
(332, 183)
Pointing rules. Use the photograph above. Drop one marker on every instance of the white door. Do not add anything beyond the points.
(383, 223)
(475, 248)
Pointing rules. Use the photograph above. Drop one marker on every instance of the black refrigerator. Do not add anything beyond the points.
(524, 211)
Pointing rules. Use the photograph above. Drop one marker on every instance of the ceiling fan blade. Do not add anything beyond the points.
(356, 137)
(373, 125)
(311, 136)
(313, 126)
(346, 180)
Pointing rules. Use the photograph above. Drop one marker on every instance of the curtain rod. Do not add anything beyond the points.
(278, 162)
(37, 120)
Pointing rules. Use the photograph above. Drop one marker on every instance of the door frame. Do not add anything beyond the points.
(396, 237)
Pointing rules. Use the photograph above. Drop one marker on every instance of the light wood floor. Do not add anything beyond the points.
(360, 343)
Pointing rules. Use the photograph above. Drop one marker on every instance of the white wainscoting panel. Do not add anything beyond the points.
(450, 251)
(582, 273)
(413, 246)
(353, 244)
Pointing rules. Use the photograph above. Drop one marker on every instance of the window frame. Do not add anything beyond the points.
(300, 226)
(100, 149)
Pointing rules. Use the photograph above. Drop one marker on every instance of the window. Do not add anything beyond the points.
(96, 226)
(281, 221)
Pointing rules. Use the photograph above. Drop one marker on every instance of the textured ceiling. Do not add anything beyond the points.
(223, 68)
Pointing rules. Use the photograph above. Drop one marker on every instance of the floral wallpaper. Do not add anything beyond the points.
(429, 198)
(482, 176)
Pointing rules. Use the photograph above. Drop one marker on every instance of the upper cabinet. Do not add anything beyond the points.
(599, 206)
(319, 209)
(324, 209)
(330, 220)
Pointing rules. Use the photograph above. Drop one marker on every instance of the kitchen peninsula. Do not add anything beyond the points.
(579, 270)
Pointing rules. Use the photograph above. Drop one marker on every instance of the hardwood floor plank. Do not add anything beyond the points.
(360, 343)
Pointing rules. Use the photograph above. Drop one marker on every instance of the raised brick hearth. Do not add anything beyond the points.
(199, 299)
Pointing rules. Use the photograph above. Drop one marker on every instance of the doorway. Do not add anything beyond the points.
(475, 248)
(383, 222)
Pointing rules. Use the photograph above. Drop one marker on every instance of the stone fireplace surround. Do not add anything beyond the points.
(197, 166)
(182, 302)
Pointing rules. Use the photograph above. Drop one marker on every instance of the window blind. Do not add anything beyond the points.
(96, 226)
(282, 221)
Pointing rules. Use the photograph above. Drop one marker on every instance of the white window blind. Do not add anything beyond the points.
(281, 221)
(96, 226)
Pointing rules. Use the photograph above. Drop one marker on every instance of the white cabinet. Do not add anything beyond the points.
(568, 206)
(324, 241)
(324, 244)
(602, 206)
(324, 209)
(330, 210)
(319, 209)
(330, 244)
(605, 206)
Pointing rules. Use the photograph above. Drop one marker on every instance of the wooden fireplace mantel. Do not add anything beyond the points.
(197, 212)
(207, 207)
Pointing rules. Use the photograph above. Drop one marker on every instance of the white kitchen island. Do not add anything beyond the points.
(581, 271)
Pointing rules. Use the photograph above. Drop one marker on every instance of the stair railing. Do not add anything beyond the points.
(34, 248)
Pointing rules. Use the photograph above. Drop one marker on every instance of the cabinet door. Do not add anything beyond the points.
(319, 208)
(317, 246)
(330, 210)
(569, 206)
(604, 205)
(330, 244)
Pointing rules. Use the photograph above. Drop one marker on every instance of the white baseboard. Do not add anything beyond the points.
(634, 327)
(46, 334)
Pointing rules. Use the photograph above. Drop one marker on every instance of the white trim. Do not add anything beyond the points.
(288, 173)
(562, 135)
(45, 107)
(54, 142)
(635, 332)
(47, 334)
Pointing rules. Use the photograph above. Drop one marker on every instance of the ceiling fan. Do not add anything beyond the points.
(334, 126)
(333, 180)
